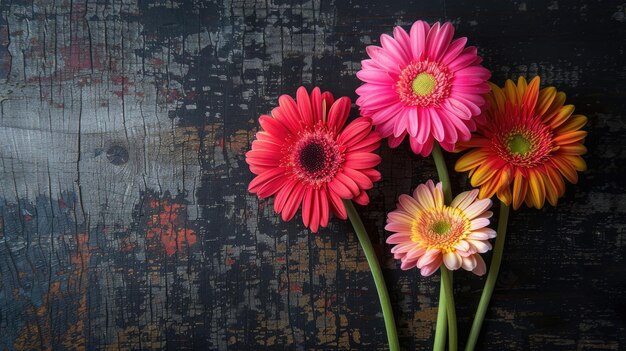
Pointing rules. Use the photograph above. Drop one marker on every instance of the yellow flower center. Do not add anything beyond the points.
(440, 228)
(423, 84)
(525, 144)
(518, 144)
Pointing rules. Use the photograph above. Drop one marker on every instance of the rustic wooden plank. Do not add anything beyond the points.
(124, 217)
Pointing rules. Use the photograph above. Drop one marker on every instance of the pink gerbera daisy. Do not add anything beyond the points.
(423, 84)
(429, 233)
(305, 156)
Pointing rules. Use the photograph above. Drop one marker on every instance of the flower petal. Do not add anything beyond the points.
(452, 260)
(338, 113)
(304, 106)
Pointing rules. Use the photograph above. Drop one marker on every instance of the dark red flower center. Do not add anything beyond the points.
(313, 156)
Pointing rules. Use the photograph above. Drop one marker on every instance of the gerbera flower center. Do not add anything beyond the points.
(424, 84)
(524, 143)
(313, 156)
(441, 228)
(518, 144)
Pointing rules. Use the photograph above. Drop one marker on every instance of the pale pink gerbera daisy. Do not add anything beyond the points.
(423, 84)
(429, 233)
(305, 156)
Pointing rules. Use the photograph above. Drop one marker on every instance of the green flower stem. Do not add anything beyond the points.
(442, 327)
(446, 296)
(379, 280)
(492, 276)
(442, 172)
(446, 278)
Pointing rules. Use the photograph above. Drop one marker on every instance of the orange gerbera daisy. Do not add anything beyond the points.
(529, 142)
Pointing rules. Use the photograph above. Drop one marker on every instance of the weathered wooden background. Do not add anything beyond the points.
(124, 217)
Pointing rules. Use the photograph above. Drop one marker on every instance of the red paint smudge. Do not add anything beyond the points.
(128, 247)
(295, 288)
(172, 94)
(168, 226)
(77, 58)
(157, 62)
(119, 80)
(27, 215)
(124, 82)
(190, 95)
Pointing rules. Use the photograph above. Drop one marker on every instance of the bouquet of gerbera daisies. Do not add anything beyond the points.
(520, 143)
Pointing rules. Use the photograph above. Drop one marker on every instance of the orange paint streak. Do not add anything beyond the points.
(168, 226)
(37, 333)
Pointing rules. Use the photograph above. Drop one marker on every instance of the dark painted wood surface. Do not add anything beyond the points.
(124, 217)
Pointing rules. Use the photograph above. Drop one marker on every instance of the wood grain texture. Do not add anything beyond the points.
(125, 222)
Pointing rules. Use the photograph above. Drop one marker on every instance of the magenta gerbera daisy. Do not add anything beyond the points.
(423, 84)
(304, 156)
